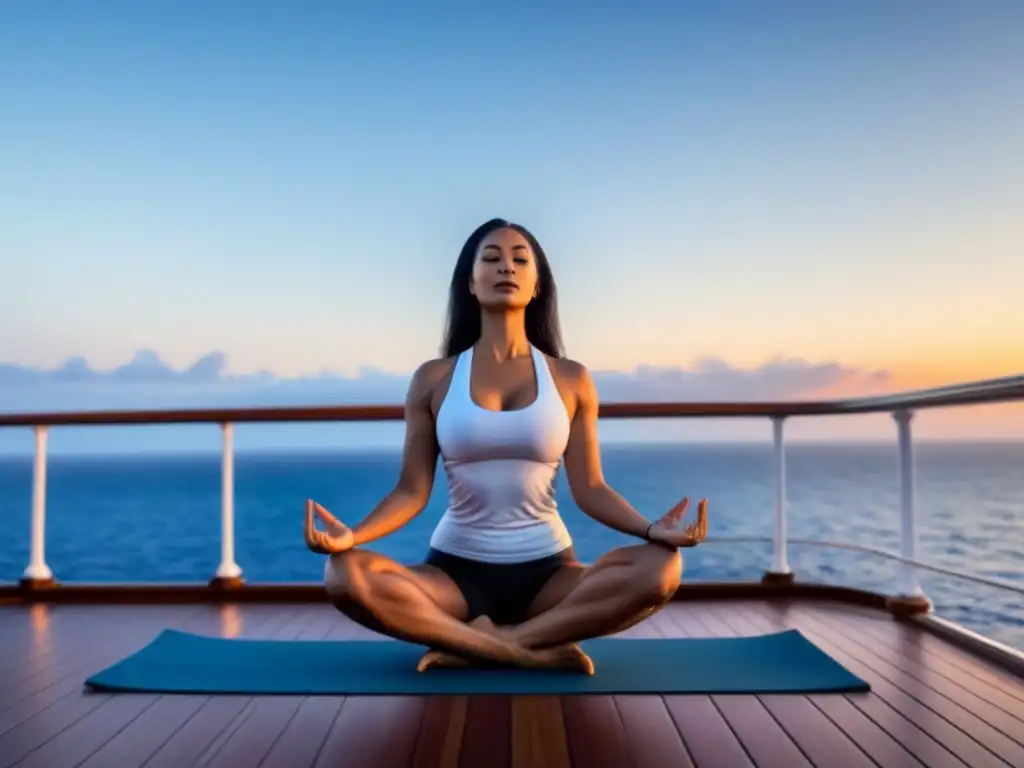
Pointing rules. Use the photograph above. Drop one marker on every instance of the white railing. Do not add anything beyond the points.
(38, 570)
(780, 539)
(901, 407)
(228, 569)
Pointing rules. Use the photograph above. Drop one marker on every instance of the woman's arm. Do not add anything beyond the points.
(583, 465)
(419, 462)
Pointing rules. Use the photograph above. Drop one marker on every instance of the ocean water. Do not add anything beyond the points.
(157, 519)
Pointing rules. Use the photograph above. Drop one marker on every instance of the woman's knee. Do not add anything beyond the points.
(344, 575)
(660, 570)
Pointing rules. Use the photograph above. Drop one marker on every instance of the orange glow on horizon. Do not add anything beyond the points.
(925, 376)
(1003, 421)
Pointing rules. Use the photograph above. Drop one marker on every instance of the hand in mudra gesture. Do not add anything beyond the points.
(666, 529)
(338, 536)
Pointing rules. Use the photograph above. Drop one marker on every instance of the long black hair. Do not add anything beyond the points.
(462, 329)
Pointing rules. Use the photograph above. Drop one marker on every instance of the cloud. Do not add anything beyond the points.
(713, 378)
(148, 379)
(145, 367)
(147, 382)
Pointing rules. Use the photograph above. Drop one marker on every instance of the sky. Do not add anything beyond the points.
(740, 200)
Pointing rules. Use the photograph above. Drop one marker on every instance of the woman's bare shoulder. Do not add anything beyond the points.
(432, 371)
(570, 371)
(574, 381)
(430, 380)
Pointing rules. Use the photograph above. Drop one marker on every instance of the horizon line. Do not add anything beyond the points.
(613, 444)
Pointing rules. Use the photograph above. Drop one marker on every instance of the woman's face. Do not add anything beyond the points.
(505, 271)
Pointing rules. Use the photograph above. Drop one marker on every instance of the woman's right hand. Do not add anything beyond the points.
(664, 529)
(337, 538)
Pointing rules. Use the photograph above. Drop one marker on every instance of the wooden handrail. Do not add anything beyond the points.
(974, 393)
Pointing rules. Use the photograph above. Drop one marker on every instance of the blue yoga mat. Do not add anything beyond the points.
(179, 662)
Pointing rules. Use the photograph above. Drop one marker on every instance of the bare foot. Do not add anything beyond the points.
(569, 658)
(435, 658)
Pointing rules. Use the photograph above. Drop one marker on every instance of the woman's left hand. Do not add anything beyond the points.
(666, 530)
(336, 539)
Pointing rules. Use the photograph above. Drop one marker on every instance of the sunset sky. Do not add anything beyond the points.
(718, 186)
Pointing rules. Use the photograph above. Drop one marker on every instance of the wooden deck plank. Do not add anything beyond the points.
(927, 720)
(818, 737)
(767, 743)
(932, 705)
(538, 733)
(303, 737)
(141, 739)
(75, 724)
(206, 730)
(322, 621)
(886, 751)
(83, 644)
(36, 632)
(706, 736)
(815, 721)
(886, 720)
(439, 740)
(595, 733)
(249, 744)
(487, 735)
(268, 718)
(996, 706)
(196, 735)
(651, 732)
(815, 735)
(30, 723)
(88, 734)
(709, 738)
(454, 732)
(759, 735)
(373, 732)
(935, 652)
(225, 735)
(957, 713)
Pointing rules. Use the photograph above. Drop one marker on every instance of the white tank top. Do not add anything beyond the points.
(501, 468)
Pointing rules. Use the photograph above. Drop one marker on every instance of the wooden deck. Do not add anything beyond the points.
(931, 703)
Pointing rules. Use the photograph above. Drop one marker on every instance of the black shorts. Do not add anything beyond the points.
(503, 592)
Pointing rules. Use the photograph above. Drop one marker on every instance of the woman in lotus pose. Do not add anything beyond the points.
(503, 407)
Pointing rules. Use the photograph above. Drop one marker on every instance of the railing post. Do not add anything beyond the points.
(780, 572)
(38, 574)
(910, 599)
(229, 575)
